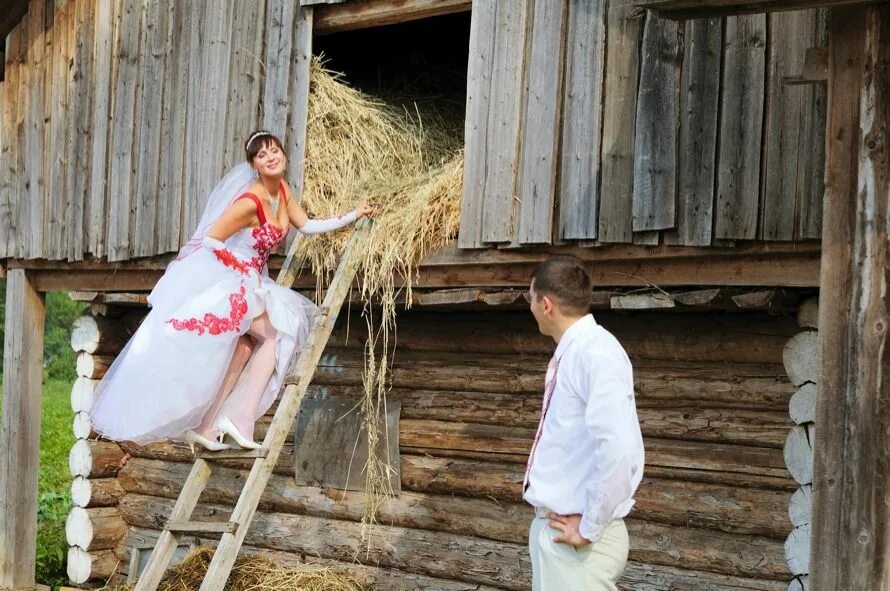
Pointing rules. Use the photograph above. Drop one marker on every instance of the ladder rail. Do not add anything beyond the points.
(182, 510)
(265, 459)
(245, 509)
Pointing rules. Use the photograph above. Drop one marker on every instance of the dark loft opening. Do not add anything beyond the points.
(418, 60)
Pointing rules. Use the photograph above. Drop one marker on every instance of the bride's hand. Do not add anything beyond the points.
(363, 211)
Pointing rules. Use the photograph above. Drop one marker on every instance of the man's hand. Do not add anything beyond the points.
(568, 525)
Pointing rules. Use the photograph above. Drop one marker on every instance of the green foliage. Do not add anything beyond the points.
(54, 488)
(57, 354)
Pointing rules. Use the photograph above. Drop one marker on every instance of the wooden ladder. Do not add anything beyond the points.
(265, 458)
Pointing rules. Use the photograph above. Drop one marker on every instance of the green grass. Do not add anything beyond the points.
(54, 481)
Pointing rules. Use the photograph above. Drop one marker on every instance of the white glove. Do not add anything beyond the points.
(327, 225)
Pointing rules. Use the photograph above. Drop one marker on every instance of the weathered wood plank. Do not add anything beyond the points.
(582, 120)
(301, 66)
(625, 28)
(741, 124)
(96, 217)
(280, 16)
(208, 53)
(851, 480)
(479, 72)
(32, 220)
(657, 123)
(147, 119)
(510, 61)
(121, 164)
(811, 208)
(174, 112)
(80, 131)
(686, 9)
(11, 146)
(699, 124)
(243, 109)
(20, 435)
(57, 196)
(536, 186)
(377, 13)
(790, 172)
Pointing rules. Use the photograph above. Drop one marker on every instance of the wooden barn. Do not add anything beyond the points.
(720, 166)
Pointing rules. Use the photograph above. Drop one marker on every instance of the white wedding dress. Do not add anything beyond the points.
(170, 372)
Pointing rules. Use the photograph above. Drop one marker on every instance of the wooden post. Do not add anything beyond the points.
(851, 501)
(20, 437)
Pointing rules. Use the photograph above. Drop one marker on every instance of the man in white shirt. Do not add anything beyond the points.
(587, 458)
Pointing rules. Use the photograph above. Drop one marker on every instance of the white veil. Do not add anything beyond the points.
(231, 186)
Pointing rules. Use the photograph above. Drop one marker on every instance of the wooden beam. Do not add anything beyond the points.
(851, 503)
(364, 14)
(686, 9)
(771, 265)
(20, 436)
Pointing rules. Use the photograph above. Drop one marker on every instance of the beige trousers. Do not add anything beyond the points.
(562, 567)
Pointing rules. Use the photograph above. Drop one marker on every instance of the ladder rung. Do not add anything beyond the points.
(291, 379)
(234, 454)
(202, 527)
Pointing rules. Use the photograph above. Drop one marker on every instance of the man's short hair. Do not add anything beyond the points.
(564, 279)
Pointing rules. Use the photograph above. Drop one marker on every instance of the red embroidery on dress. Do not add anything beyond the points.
(266, 237)
(214, 324)
(227, 258)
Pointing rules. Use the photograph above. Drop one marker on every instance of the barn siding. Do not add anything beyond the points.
(157, 140)
(711, 512)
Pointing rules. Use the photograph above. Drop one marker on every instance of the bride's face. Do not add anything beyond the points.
(270, 160)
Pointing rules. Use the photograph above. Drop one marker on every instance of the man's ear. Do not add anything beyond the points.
(547, 304)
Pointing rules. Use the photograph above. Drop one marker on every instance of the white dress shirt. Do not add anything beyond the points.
(588, 458)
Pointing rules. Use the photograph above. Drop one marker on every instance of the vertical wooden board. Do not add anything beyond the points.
(279, 49)
(191, 131)
(215, 62)
(147, 120)
(540, 133)
(299, 107)
(96, 215)
(242, 116)
(31, 244)
(741, 124)
(80, 132)
(699, 121)
(582, 120)
(173, 118)
(788, 158)
(11, 178)
(624, 28)
(504, 121)
(57, 197)
(21, 213)
(122, 165)
(20, 433)
(657, 122)
(810, 226)
(479, 71)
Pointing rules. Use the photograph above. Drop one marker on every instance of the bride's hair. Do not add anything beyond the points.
(258, 140)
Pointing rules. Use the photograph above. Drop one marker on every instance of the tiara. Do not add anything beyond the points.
(254, 136)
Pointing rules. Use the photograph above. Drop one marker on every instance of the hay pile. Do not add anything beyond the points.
(404, 158)
(252, 573)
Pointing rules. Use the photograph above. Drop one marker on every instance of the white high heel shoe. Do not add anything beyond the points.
(226, 427)
(191, 437)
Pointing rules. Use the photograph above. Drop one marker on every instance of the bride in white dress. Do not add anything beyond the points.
(210, 356)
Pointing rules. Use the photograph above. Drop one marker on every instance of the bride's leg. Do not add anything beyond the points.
(242, 407)
(240, 357)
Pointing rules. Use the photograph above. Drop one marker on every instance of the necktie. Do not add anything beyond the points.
(549, 387)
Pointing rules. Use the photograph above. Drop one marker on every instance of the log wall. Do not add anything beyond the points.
(712, 512)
